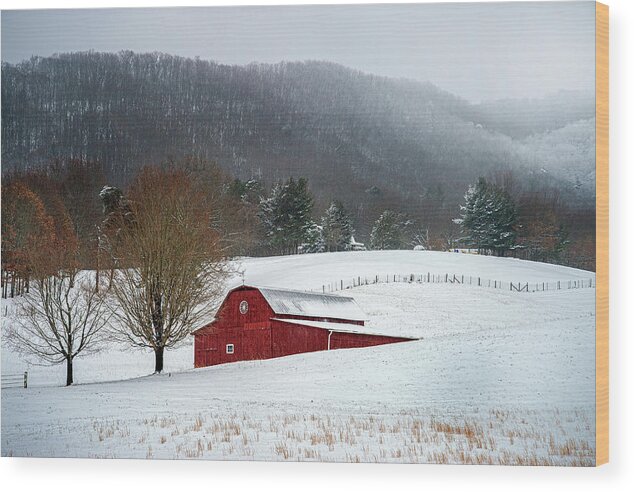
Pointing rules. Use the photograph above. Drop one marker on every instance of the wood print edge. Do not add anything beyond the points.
(602, 233)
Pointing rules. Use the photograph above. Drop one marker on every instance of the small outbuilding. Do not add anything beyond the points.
(263, 323)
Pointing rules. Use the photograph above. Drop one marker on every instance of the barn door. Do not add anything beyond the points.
(256, 343)
(211, 350)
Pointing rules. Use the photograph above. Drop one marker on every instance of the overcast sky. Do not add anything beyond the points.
(477, 51)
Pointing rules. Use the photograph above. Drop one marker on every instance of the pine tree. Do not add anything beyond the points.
(111, 198)
(286, 215)
(488, 219)
(389, 231)
(314, 241)
(246, 191)
(337, 228)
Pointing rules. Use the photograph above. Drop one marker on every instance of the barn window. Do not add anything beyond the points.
(244, 307)
(230, 348)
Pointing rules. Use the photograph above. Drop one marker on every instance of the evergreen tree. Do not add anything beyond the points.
(286, 215)
(116, 209)
(389, 231)
(337, 228)
(246, 191)
(488, 218)
(314, 240)
(111, 198)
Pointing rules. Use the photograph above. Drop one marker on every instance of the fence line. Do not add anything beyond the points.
(446, 278)
(20, 380)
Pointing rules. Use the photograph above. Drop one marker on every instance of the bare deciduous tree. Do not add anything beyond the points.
(60, 318)
(172, 263)
(422, 239)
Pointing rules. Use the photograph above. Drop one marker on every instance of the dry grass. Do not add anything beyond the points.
(497, 436)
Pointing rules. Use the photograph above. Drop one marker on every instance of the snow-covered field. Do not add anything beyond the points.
(498, 377)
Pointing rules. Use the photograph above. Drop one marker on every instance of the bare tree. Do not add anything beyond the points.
(60, 318)
(172, 262)
(422, 239)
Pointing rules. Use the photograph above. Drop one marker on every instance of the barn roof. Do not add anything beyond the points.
(300, 303)
(339, 327)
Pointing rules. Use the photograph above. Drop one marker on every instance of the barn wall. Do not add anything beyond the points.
(229, 313)
(250, 333)
(358, 340)
(291, 338)
(288, 339)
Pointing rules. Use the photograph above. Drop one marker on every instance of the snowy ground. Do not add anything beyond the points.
(498, 377)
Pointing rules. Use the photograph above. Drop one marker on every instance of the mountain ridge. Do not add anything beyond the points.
(345, 130)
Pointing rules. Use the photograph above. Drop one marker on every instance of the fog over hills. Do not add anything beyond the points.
(353, 135)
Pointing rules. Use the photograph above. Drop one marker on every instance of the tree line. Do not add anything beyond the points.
(146, 264)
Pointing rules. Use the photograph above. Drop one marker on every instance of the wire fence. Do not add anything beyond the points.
(18, 380)
(447, 278)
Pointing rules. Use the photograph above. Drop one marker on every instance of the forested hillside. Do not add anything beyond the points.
(371, 142)
(520, 118)
(316, 119)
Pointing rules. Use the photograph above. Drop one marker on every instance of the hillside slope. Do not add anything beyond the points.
(497, 377)
(344, 130)
(440, 307)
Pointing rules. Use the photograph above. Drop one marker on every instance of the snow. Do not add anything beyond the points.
(301, 303)
(312, 271)
(496, 377)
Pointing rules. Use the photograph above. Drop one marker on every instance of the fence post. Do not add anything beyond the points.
(26, 377)
(479, 282)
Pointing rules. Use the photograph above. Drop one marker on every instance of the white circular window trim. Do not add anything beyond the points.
(244, 307)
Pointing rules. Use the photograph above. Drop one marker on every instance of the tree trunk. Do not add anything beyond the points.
(158, 354)
(69, 371)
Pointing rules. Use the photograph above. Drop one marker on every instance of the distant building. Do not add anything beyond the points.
(355, 246)
(263, 323)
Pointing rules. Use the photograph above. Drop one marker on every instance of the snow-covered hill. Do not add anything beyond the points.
(314, 270)
(498, 376)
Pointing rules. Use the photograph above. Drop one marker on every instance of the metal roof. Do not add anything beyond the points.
(300, 303)
(340, 327)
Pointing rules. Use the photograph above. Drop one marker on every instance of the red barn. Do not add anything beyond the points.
(262, 323)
